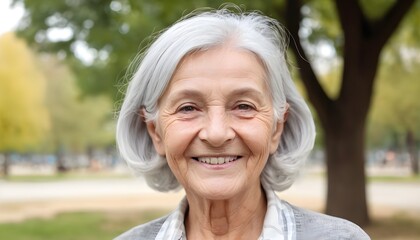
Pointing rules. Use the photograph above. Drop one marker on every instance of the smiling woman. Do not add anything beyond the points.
(217, 141)
(212, 108)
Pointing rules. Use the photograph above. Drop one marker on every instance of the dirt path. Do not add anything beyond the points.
(20, 201)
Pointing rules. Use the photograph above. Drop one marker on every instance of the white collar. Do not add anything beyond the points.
(279, 221)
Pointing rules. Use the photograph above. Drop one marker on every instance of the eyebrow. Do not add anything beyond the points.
(248, 91)
(177, 96)
(185, 93)
(198, 94)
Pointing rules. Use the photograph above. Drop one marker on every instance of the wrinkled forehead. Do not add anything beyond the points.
(218, 62)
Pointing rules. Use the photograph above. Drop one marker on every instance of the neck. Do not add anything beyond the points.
(241, 217)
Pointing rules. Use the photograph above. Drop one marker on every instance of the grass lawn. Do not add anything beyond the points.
(107, 225)
(390, 179)
(79, 225)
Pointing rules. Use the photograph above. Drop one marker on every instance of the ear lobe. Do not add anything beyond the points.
(154, 135)
(275, 138)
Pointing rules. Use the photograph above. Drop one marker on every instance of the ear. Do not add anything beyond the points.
(155, 135)
(276, 136)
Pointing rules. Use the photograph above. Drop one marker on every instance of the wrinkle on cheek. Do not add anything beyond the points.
(178, 167)
(262, 127)
(166, 121)
(267, 120)
(172, 130)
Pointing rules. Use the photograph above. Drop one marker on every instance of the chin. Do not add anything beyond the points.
(219, 191)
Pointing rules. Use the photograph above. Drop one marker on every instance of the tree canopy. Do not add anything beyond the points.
(24, 117)
(76, 122)
(395, 109)
(41, 105)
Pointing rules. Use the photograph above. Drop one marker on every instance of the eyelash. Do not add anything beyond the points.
(248, 107)
(187, 108)
(244, 107)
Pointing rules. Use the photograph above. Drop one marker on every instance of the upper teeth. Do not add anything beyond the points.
(216, 160)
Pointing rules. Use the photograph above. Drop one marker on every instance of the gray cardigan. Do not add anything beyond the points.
(309, 225)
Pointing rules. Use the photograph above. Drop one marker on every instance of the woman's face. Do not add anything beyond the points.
(216, 125)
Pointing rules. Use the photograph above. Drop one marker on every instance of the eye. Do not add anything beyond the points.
(187, 109)
(245, 107)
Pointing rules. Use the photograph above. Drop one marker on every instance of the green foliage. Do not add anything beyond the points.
(321, 21)
(395, 107)
(371, 9)
(76, 122)
(330, 81)
(113, 32)
(405, 43)
(41, 107)
(23, 116)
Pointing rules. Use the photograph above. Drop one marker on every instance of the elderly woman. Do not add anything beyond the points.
(212, 107)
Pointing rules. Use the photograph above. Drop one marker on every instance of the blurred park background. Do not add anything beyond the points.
(64, 66)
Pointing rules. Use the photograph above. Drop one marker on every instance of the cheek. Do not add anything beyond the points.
(177, 135)
(257, 134)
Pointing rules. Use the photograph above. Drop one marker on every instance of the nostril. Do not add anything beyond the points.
(217, 138)
(217, 129)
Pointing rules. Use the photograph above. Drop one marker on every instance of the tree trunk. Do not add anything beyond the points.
(60, 164)
(344, 117)
(411, 147)
(6, 164)
(90, 156)
(346, 196)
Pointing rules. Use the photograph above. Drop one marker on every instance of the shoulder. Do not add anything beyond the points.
(143, 232)
(313, 225)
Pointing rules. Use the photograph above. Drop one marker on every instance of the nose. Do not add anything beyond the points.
(217, 129)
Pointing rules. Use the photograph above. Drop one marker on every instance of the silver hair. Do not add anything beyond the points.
(251, 31)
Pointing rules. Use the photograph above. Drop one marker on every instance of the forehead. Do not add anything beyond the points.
(221, 64)
(225, 60)
(218, 72)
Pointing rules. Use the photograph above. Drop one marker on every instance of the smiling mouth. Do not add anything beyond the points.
(217, 160)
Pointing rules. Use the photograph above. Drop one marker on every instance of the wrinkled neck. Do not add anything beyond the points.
(241, 217)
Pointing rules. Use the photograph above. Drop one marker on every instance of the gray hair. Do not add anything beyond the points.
(251, 31)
